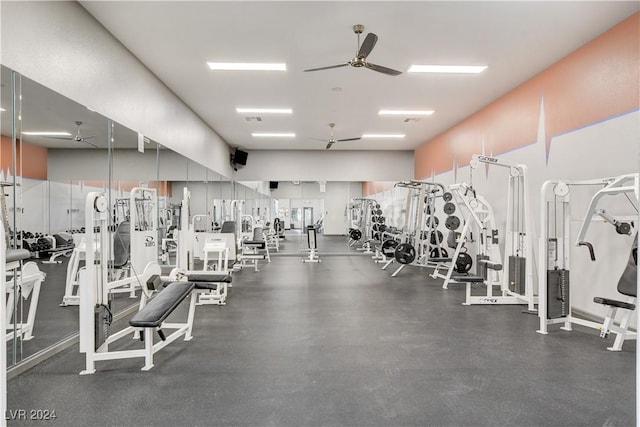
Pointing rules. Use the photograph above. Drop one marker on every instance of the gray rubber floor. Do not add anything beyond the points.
(343, 343)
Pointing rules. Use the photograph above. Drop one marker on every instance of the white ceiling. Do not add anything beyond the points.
(515, 39)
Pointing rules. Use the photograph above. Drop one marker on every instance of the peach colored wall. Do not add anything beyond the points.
(599, 80)
(34, 159)
(164, 187)
(375, 187)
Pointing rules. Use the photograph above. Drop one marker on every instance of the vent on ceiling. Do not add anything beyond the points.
(253, 119)
(412, 119)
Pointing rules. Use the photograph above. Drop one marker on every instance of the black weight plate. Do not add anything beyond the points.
(436, 237)
(447, 197)
(382, 228)
(377, 206)
(433, 221)
(449, 208)
(464, 262)
(429, 211)
(405, 253)
(379, 212)
(438, 252)
(355, 234)
(375, 227)
(381, 219)
(389, 247)
(452, 223)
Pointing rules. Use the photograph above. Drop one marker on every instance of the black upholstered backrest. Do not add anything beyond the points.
(228, 227)
(627, 285)
(121, 244)
(257, 234)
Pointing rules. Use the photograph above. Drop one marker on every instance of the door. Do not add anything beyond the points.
(307, 217)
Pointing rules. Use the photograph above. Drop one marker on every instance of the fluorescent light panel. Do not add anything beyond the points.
(274, 134)
(383, 135)
(247, 66)
(265, 110)
(405, 112)
(464, 69)
(2, 109)
(47, 133)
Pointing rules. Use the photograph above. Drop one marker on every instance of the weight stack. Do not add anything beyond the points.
(481, 268)
(517, 274)
(101, 319)
(557, 294)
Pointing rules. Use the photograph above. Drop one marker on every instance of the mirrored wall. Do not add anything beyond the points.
(54, 153)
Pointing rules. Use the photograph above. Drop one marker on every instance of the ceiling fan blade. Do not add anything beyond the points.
(320, 139)
(329, 145)
(67, 138)
(87, 137)
(90, 143)
(349, 139)
(327, 68)
(384, 70)
(367, 45)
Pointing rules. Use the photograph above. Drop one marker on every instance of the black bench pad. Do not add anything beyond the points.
(614, 303)
(260, 244)
(159, 308)
(472, 279)
(209, 277)
(439, 259)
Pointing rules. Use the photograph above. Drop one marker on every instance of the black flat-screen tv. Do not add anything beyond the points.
(273, 185)
(240, 157)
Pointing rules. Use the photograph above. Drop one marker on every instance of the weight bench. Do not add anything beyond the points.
(255, 249)
(468, 279)
(153, 316)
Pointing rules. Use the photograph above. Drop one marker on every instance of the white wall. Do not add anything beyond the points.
(61, 46)
(327, 165)
(607, 148)
(337, 197)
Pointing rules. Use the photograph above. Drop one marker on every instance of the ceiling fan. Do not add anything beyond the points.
(362, 52)
(332, 140)
(78, 136)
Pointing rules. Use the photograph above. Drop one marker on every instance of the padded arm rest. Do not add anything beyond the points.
(614, 303)
(17, 255)
(490, 264)
(219, 278)
(160, 307)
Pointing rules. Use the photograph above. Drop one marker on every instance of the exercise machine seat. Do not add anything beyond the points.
(209, 277)
(159, 308)
(614, 303)
(471, 279)
(627, 283)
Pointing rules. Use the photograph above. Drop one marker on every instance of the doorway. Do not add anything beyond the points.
(307, 217)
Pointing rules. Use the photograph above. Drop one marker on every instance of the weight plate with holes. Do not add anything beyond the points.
(389, 247)
(374, 219)
(438, 252)
(447, 197)
(382, 228)
(436, 237)
(377, 206)
(355, 234)
(379, 212)
(433, 221)
(452, 223)
(405, 253)
(464, 262)
(449, 208)
(381, 219)
(375, 227)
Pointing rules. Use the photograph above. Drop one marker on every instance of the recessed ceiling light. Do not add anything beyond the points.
(47, 133)
(265, 110)
(405, 112)
(465, 69)
(274, 134)
(2, 109)
(383, 135)
(247, 66)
